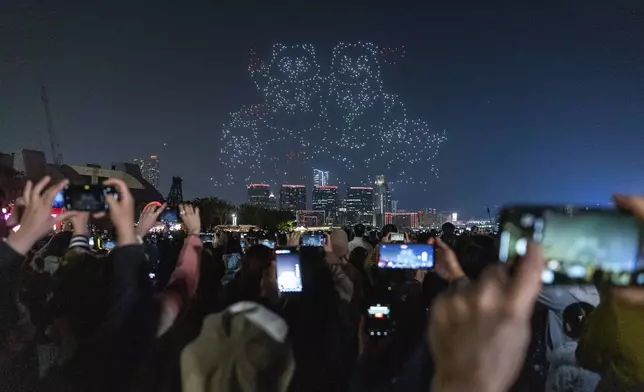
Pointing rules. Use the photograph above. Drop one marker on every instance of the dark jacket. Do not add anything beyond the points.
(10, 262)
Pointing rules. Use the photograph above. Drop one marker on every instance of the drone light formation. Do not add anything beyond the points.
(342, 118)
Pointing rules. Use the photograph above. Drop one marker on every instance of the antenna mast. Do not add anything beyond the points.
(58, 158)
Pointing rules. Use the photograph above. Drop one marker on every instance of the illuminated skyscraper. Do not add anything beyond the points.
(382, 200)
(149, 169)
(320, 177)
(259, 195)
(325, 198)
(359, 204)
(292, 197)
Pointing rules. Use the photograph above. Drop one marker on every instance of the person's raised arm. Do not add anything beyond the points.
(128, 257)
(184, 280)
(149, 216)
(35, 223)
(80, 238)
(447, 266)
(36, 220)
(479, 335)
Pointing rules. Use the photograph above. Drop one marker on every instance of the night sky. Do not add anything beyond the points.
(541, 101)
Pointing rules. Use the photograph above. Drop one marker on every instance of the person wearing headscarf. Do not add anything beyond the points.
(242, 349)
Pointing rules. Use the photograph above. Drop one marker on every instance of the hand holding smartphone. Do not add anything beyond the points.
(580, 244)
(91, 198)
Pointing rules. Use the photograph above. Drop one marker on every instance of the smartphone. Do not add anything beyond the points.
(87, 197)
(397, 237)
(206, 238)
(169, 215)
(289, 279)
(379, 322)
(312, 239)
(581, 245)
(410, 256)
(268, 243)
(109, 245)
(91, 242)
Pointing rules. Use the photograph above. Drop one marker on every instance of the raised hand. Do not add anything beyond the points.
(328, 245)
(79, 222)
(121, 210)
(293, 240)
(632, 295)
(149, 216)
(445, 261)
(36, 220)
(479, 335)
(190, 218)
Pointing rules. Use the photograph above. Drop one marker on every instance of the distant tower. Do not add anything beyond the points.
(176, 192)
(53, 141)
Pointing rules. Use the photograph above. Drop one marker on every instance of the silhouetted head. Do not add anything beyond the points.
(389, 229)
(574, 318)
(448, 228)
(359, 230)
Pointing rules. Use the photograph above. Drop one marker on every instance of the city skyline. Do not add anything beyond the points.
(532, 84)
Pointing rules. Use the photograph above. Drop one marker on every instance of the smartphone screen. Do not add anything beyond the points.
(169, 215)
(577, 243)
(289, 279)
(86, 197)
(206, 238)
(396, 237)
(59, 200)
(109, 245)
(312, 239)
(411, 256)
(378, 320)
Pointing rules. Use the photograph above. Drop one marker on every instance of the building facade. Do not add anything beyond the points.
(320, 177)
(259, 195)
(325, 198)
(402, 220)
(359, 205)
(310, 218)
(292, 197)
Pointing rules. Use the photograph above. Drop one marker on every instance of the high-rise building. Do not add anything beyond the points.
(259, 195)
(429, 218)
(382, 200)
(359, 204)
(149, 169)
(272, 202)
(292, 197)
(320, 177)
(325, 198)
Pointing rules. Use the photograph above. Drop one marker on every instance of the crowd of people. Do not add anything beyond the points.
(211, 317)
